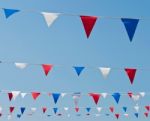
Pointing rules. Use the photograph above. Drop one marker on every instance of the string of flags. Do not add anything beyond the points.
(88, 22)
(76, 96)
(105, 71)
(88, 111)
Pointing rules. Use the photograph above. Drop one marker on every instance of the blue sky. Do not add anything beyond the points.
(25, 37)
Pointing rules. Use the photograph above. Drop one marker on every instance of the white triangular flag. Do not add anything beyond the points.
(15, 94)
(21, 65)
(63, 94)
(105, 71)
(1, 109)
(99, 109)
(104, 95)
(66, 108)
(126, 115)
(136, 108)
(33, 109)
(135, 97)
(9, 117)
(50, 17)
(23, 95)
(142, 94)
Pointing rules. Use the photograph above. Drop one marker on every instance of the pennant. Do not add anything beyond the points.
(136, 115)
(88, 23)
(117, 115)
(130, 94)
(66, 108)
(76, 109)
(21, 65)
(63, 95)
(50, 17)
(137, 108)
(9, 117)
(142, 94)
(78, 69)
(104, 95)
(105, 71)
(10, 96)
(76, 97)
(22, 109)
(0, 114)
(18, 115)
(9, 12)
(88, 109)
(126, 115)
(11, 109)
(15, 94)
(111, 109)
(23, 95)
(130, 26)
(56, 97)
(146, 114)
(99, 109)
(131, 74)
(135, 97)
(55, 110)
(116, 96)
(44, 109)
(95, 97)
(124, 109)
(33, 109)
(147, 108)
(35, 95)
(1, 109)
(47, 68)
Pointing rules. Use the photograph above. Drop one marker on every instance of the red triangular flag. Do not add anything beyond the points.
(147, 108)
(117, 115)
(130, 94)
(44, 109)
(35, 95)
(11, 109)
(111, 109)
(10, 96)
(146, 114)
(131, 74)
(47, 68)
(95, 97)
(88, 23)
(77, 109)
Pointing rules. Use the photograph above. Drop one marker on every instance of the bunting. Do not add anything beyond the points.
(116, 96)
(105, 71)
(78, 70)
(9, 12)
(47, 68)
(55, 110)
(56, 97)
(21, 65)
(35, 95)
(22, 109)
(131, 74)
(44, 109)
(95, 97)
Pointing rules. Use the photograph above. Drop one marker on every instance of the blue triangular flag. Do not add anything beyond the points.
(9, 12)
(116, 96)
(78, 69)
(18, 115)
(88, 109)
(56, 97)
(22, 109)
(48, 115)
(130, 25)
(55, 110)
(125, 109)
(107, 114)
(136, 114)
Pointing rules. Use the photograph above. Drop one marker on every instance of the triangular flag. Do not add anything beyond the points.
(111, 109)
(95, 97)
(104, 95)
(33, 109)
(76, 97)
(147, 108)
(50, 17)
(44, 109)
(78, 69)
(66, 108)
(18, 115)
(105, 71)
(116, 96)
(47, 68)
(146, 114)
(23, 95)
(55, 110)
(99, 109)
(10, 96)
(11, 109)
(76, 109)
(130, 94)
(117, 115)
(135, 97)
(137, 108)
(142, 94)
(55, 97)
(1, 109)
(21, 65)
(35, 95)
(88, 109)
(136, 114)
(15, 94)
(22, 109)
(131, 74)
(124, 109)
(63, 95)
(126, 115)
(130, 25)
(9, 12)
(88, 23)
